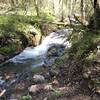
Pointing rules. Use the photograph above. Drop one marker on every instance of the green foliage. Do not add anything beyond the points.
(82, 47)
(62, 60)
(8, 49)
(94, 21)
(12, 23)
(27, 97)
(13, 28)
(46, 13)
(55, 95)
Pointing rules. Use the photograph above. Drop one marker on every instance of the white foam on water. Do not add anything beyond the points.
(40, 51)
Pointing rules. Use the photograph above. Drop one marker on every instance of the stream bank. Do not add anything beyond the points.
(20, 67)
(24, 31)
(74, 75)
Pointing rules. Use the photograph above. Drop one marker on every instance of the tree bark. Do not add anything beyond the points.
(36, 7)
(95, 14)
(81, 10)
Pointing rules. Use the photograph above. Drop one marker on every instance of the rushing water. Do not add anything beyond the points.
(36, 56)
(31, 58)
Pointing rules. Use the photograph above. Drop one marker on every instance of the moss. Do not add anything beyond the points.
(8, 49)
(27, 97)
(13, 27)
(86, 44)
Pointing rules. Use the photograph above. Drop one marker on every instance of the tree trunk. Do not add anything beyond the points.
(81, 10)
(95, 14)
(62, 13)
(36, 7)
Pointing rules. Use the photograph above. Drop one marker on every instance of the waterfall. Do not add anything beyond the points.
(35, 55)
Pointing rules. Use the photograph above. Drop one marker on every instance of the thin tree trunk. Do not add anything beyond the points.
(62, 13)
(36, 7)
(82, 10)
(95, 14)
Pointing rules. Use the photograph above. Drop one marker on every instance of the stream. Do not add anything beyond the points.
(33, 57)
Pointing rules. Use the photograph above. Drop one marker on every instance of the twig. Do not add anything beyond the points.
(3, 92)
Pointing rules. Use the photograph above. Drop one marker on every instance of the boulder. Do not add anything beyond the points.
(55, 50)
(38, 79)
(39, 87)
(34, 35)
(52, 52)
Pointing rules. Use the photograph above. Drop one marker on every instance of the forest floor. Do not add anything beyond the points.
(63, 90)
(57, 84)
(65, 86)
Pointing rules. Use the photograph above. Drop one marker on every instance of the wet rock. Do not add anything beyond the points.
(49, 62)
(38, 79)
(55, 50)
(52, 52)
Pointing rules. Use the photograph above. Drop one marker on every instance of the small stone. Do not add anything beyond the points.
(38, 79)
(35, 88)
